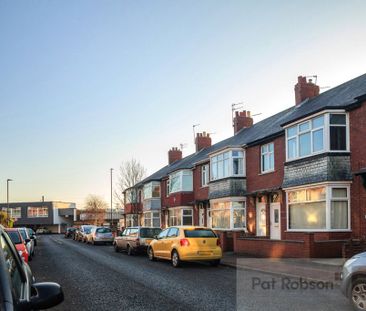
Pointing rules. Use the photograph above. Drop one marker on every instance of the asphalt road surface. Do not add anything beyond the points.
(97, 278)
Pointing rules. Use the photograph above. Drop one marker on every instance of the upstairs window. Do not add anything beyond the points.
(152, 190)
(167, 187)
(181, 181)
(204, 175)
(226, 164)
(131, 196)
(35, 212)
(267, 158)
(327, 132)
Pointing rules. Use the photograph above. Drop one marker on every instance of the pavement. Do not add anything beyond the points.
(317, 269)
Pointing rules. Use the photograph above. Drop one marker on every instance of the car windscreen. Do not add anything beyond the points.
(14, 236)
(104, 230)
(199, 233)
(149, 232)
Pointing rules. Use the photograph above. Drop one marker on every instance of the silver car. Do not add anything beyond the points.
(29, 243)
(353, 281)
(100, 235)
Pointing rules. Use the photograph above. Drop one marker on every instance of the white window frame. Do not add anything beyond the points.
(131, 196)
(151, 218)
(205, 174)
(38, 209)
(18, 211)
(148, 190)
(167, 188)
(180, 176)
(328, 200)
(226, 155)
(326, 134)
(129, 219)
(180, 210)
(230, 200)
(269, 154)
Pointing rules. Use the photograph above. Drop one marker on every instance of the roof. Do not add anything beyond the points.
(343, 96)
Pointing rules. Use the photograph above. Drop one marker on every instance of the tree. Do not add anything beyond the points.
(130, 173)
(5, 220)
(95, 209)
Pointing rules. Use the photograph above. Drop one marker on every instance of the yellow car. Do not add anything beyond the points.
(183, 243)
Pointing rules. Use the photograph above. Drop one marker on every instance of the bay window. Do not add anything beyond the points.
(228, 215)
(181, 181)
(267, 158)
(131, 196)
(181, 216)
(327, 132)
(319, 208)
(152, 190)
(152, 219)
(226, 164)
(132, 220)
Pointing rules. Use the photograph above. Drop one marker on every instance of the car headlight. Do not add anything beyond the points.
(20, 253)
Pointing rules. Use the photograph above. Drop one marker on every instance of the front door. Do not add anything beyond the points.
(201, 212)
(261, 219)
(275, 209)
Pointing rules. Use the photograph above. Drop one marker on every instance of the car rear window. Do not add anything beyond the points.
(104, 230)
(199, 233)
(149, 232)
(14, 236)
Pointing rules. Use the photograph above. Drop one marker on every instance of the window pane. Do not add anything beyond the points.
(307, 216)
(264, 148)
(291, 147)
(338, 138)
(315, 194)
(304, 127)
(187, 212)
(220, 219)
(226, 168)
(318, 140)
(304, 144)
(338, 119)
(187, 183)
(292, 131)
(339, 215)
(270, 147)
(318, 122)
(339, 192)
(239, 218)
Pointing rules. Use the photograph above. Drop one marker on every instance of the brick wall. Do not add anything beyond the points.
(256, 180)
(358, 161)
(200, 193)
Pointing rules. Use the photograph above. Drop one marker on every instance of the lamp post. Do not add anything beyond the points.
(111, 197)
(7, 199)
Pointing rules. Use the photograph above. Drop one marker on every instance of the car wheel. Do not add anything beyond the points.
(30, 257)
(129, 250)
(150, 253)
(175, 259)
(358, 294)
(215, 263)
(116, 248)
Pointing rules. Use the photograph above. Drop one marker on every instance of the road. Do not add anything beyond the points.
(97, 278)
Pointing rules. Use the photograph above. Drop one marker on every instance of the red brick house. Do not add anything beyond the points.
(292, 185)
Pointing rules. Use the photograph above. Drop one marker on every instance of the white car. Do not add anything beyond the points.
(29, 243)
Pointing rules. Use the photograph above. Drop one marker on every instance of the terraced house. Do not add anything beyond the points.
(288, 186)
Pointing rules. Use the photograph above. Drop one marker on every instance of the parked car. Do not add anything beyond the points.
(19, 242)
(18, 291)
(69, 233)
(353, 281)
(135, 239)
(33, 236)
(185, 243)
(29, 242)
(83, 231)
(100, 235)
(43, 231)
(77, 234)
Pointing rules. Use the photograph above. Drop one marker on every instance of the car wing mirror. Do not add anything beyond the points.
(155, 237)
(47, 295)
(27, 241)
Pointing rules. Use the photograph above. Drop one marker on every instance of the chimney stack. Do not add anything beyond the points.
(305, 90)
(203, 140)
(242, 120)
(174, 155)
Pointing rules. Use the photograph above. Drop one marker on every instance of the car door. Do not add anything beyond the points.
(170, 238)
(158, 245)
(124, 239)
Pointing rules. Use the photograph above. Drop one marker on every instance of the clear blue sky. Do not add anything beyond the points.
(85, 85)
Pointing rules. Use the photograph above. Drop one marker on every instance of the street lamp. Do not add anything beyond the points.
(7, 198)
(111, 197)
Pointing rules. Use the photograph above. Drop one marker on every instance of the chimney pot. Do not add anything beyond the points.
(305, 89)
(242, 120)
(174, 155)
(203, 140)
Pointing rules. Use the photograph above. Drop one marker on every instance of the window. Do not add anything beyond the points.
(204, 175)
(152, 190)
(132, 220)
(229, 163)
(312, 137)
(34, 212)
(167, 187)
(131, 196)
(228, 215)
(15, 212)
(181, 181)
(152, 219)
(267, 158)
(180, 216)
(310, 208)
(338, 132)
(173, 232)
(163, 234)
